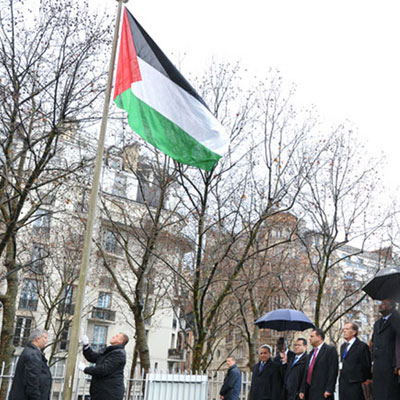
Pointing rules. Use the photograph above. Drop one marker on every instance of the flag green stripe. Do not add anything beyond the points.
(165, 134)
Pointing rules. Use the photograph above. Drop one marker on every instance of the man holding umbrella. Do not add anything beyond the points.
(385, 377)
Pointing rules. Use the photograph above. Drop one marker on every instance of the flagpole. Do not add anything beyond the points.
(74, 337)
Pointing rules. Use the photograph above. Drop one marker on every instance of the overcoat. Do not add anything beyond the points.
(232, 382)
(32, 378)
(108, 373)
(278, 360)
(356, 368)
(266, 385)
(293, 376)
(324, 373)
(385, 385)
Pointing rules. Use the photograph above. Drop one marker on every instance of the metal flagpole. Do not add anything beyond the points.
(74, 337)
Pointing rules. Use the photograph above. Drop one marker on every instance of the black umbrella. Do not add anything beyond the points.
(284, 320)
(385, 284)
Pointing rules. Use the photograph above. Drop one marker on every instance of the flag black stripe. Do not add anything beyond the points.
(147, 50)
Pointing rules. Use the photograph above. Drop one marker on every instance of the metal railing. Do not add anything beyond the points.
(156, 385)
(103, 314)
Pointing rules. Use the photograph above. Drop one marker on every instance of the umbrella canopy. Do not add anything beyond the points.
(284, 320)
(385, 284)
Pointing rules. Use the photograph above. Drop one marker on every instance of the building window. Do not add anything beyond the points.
(111, 244)
(29, 295)
(66, 306)
(39, 253)
(64, 337)
(104, 300)
(172, 340)
(148, 191)
(22, 331)
(99, 337)
(58, 369)
(174, 323)
(119, 187)
(41, 223)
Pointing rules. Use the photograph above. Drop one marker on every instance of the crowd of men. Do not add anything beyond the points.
(291, 375)
(365, 371)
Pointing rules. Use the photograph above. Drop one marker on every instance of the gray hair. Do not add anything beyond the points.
(35, 334)
(268, 347)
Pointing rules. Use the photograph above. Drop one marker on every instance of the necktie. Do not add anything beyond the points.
(346, 346)
(311, 366)
(295, 361)
(261, 367)
(382, 323)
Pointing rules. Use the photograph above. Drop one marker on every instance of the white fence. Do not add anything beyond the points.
(155, 386)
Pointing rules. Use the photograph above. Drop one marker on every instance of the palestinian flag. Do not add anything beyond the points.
(162, 106)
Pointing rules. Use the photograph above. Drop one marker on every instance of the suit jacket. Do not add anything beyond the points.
(356, 368)
(232, 383)
(108, 374)
(32, 379)
(324, 373)
(277, 360)
(385, 383)
(266, 385)
(293, 376)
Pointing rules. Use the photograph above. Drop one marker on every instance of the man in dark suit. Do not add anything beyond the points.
(283, 349)
(108, 372)
(321, 369)
(385, 384)
(230, 389)
(283, 354)
(266, 380)
(32, 379)
(355, 364)
(293, 370)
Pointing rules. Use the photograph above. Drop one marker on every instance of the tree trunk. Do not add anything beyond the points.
(253, 349)
(141, 342)
(9, 307)
(197, 355)
(132, 373)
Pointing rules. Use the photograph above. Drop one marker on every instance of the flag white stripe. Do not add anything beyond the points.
(174, 103)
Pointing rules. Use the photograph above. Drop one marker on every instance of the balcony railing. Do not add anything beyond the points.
(176, 354)
(66, 309)
(28, 304)
(103, 314)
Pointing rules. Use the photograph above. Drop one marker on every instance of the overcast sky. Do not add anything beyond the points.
(343, 56)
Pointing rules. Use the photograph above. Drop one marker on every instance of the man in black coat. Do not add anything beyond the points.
(293, 368)
(321, 369)
(32, 379)
(266, 379)
(355, 364)
(108, 373)
(283, 353)
(282, 348)
(230, 389)
(385, 384)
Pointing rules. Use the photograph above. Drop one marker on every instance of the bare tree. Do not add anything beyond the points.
(258, 287)
(228, 207)
(50, 81)
(145, 225)
(339, 208)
